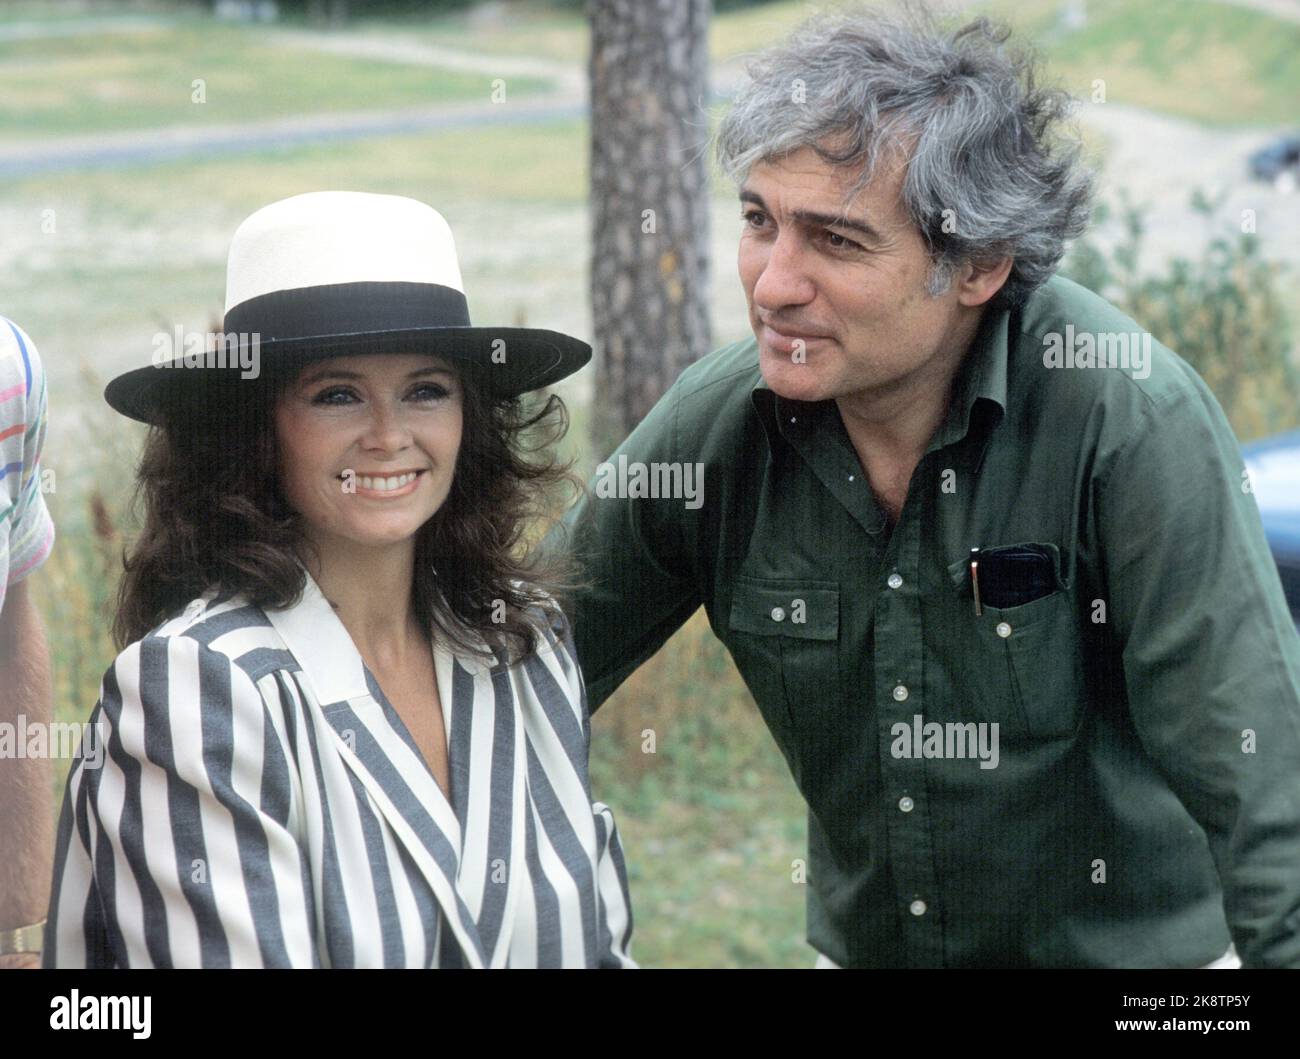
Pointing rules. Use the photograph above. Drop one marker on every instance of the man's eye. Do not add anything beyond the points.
(839, 242)
(754, 218)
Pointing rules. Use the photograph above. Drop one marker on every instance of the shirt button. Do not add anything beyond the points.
(900, 693)
(905, 803)
(917, 908)
(778, 614)
(1004, 630)
(895, 581)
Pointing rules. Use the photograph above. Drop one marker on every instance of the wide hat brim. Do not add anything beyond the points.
(337, 273)
(505, 361)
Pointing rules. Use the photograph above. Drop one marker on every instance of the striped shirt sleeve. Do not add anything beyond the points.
(171, 849)
(613, 896)
(26, 530)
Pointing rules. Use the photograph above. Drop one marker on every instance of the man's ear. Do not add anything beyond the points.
(979, 282)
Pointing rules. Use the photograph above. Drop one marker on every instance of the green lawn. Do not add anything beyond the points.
(1204, 60)
(144, 79)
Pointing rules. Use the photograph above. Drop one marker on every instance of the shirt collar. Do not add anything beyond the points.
(323, 647)
(982, 377)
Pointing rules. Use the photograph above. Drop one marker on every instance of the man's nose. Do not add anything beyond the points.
(784, 280)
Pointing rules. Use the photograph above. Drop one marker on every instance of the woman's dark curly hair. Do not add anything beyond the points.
(212, 515)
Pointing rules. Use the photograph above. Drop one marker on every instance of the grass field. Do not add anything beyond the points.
(1209, 61)
(145, 79)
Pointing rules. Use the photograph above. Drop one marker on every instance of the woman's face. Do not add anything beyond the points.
(368, 445)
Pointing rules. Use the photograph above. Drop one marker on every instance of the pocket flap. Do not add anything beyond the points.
(808, 610)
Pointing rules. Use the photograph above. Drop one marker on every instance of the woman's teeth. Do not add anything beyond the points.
(384, 485)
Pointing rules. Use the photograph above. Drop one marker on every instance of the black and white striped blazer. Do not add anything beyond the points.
(261, 804)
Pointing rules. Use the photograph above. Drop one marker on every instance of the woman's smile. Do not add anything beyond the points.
(381, 487)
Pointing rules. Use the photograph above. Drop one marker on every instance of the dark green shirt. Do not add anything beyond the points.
(1144, 808)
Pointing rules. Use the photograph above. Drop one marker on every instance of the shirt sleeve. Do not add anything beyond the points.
(1211, 658)
(615, 900)
(634, 561)
(174, 845)
(28, 526)
(613, 897)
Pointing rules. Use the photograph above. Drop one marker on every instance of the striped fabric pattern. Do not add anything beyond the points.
(259, 803)
(26, 531)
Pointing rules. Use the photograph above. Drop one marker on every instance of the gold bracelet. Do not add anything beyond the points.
(22, 939)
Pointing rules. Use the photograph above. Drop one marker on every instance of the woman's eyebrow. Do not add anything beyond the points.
(339, 373)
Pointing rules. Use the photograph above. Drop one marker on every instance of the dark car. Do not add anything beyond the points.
(1274, 466)
(1271, 161)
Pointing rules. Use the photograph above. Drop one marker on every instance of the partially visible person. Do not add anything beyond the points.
(26, 536)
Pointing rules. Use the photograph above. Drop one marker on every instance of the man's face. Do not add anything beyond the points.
(839, 307)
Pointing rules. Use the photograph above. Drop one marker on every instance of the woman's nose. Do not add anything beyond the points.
(386, 428)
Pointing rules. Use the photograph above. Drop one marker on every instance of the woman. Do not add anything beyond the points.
(349, 729)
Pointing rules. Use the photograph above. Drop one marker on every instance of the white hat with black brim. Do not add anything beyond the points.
(332, 273)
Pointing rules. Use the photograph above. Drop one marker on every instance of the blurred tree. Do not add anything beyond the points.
(650, 201)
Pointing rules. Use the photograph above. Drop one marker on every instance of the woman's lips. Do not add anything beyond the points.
(385, 487)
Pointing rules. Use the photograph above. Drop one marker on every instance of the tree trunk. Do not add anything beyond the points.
(650, 203)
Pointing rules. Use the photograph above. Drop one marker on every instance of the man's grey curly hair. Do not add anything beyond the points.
(983, 138)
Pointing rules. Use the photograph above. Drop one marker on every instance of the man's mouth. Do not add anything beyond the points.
(789, 341)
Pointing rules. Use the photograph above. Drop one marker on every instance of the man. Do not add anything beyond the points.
(1078, 746)
(26, 536)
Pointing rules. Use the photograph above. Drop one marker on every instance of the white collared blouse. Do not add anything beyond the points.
(261, 804)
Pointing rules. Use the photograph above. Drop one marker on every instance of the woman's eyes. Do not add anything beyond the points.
(430, 391)
(334, 395)
(421, 393)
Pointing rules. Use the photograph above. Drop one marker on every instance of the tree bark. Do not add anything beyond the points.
(650, 203)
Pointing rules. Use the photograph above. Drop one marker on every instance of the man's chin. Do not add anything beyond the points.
(793, 381)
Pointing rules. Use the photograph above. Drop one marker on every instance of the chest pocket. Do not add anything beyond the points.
(785, 640)
(1028, 658)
